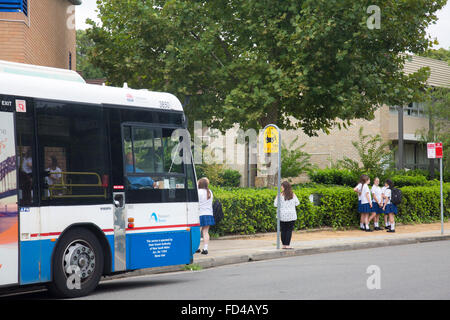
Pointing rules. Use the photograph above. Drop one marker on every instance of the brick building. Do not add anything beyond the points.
(39, 32)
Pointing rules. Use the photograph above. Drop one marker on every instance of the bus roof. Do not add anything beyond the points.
(64, 85)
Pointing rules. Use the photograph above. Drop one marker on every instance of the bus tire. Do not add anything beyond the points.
(77, 264)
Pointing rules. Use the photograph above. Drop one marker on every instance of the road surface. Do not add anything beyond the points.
(419, 271)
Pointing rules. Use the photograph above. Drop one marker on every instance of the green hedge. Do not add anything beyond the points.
(403, 181)
(249, 211)
(340, 177)
(344, 177)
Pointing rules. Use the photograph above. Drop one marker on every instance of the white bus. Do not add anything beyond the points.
(87, 184)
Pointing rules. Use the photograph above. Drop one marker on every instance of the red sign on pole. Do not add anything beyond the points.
(439, 150)
(434, 150)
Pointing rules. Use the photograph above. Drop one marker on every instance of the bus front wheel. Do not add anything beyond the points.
(77, 264)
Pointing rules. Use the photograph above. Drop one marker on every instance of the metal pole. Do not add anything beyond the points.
(279, 188)
(279, 181)
(442, 199)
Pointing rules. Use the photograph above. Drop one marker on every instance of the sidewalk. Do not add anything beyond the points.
(240, 249)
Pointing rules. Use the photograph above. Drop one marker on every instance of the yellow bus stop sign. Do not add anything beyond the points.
(271, 140)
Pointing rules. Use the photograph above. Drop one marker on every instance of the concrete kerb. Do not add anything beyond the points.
(211, 262)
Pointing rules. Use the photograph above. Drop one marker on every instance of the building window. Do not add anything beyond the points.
(14, 6)
(70, 60)
(414, 109)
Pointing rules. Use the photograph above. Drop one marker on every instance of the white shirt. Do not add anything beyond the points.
(53, 177)
(376, 191)
(205, 204)
(387, 193)
(27, 165)
(287, 208)
(365, 191)
(383, 193)
(359, 186)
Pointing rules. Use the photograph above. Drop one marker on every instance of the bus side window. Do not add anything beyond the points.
(74, 165)
(151, 173)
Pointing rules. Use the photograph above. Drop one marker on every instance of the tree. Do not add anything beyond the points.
(297, 63)
(84, 44)
(438, 54)
(438, 110)
(374, 155)
(294, 161)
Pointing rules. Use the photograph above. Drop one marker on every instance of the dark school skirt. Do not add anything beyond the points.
(376, 208)
(391, 208)
(207, 221)
(365, 208)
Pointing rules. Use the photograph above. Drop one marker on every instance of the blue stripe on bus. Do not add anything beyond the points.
(110, 239)
(157, 249)
(175, 247)
(195, 239)
(31, 254)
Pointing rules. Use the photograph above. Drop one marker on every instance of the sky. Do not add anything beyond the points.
(440, 30)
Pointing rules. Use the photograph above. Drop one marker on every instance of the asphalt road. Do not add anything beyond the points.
(419, 271)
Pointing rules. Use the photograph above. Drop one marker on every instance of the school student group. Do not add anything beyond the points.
(372, 202)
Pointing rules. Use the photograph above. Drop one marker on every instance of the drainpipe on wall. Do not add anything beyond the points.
(400, 162)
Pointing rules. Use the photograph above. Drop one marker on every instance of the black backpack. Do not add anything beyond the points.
(217, 211)
(396, 196)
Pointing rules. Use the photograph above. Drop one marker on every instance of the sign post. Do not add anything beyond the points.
(272, 144)
(435, 151)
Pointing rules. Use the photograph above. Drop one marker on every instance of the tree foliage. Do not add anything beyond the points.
(299, 64)
(437, 108)
(294, 161)
(84, 44)
(438, 54)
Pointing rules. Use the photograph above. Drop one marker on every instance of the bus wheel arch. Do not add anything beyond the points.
(89, 239)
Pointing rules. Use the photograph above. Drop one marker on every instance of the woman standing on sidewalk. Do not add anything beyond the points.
(205, 199)
(288, 213)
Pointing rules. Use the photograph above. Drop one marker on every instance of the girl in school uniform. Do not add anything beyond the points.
(288, 213)
(387, 225)
(366, 202)
(358, 190)
(205, 201)
(389, 207)
(377, 204)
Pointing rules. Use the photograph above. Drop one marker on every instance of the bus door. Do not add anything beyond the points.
(9, 217)
(120, 259)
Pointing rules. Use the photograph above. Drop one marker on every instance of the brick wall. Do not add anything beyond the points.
(42, 38)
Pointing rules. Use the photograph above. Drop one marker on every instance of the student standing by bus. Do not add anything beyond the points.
(377, 203)
(387, 225)
(358, 190)
(389, 207)
(205, 199)
(288, 213)
(366, 202)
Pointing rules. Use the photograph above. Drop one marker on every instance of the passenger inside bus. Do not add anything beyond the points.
(137, 182)
(54, 174)
(26, 175)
